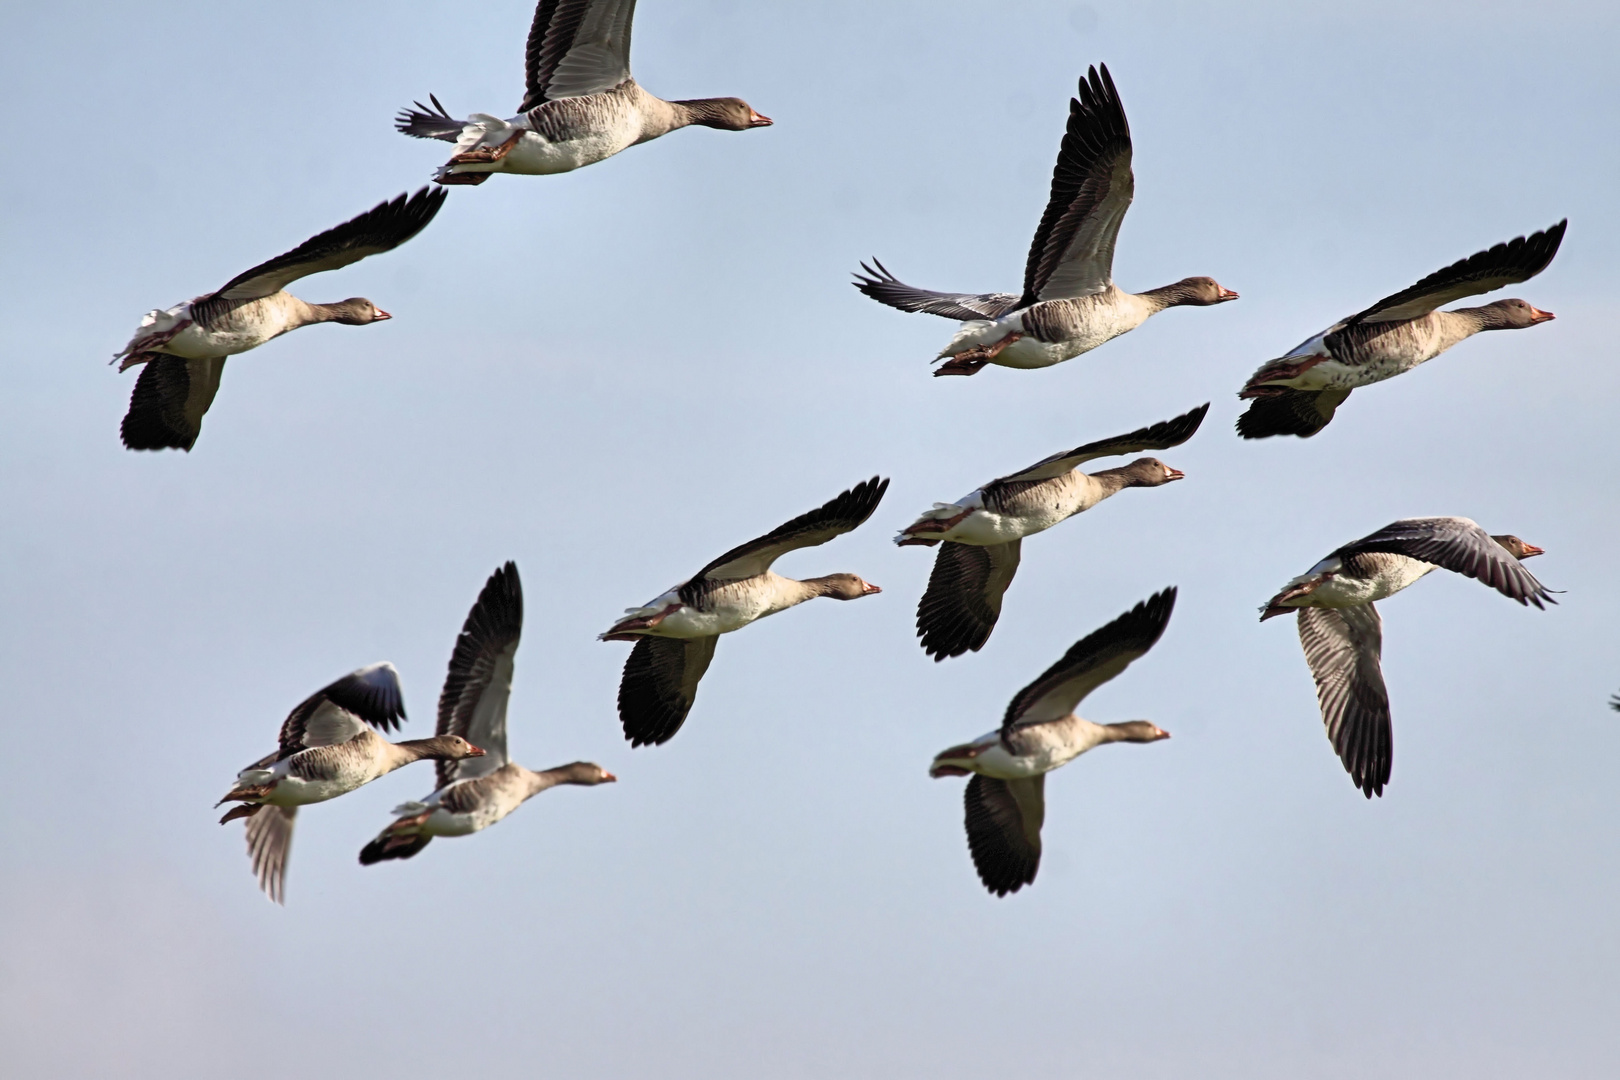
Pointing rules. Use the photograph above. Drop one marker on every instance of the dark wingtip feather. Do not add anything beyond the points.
(388, 846)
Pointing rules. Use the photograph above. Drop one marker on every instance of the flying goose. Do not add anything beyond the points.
(1005, 800)
(1298, 393)
(981, 533)
(675, 634)
(1070, 303)
(184, 348)
(580, 104)
(326, 750)
(475, 793)
(1342, 633)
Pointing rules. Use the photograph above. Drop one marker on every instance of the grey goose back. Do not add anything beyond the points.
(980, 536)
(1298, 394)
(1070, 304)
(183, 349)
(1342, 633)
(474, 793)
(1005, 800)
(327, 748)
(580, 104)
(675, 633)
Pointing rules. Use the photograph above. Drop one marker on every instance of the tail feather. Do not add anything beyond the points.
(425, 123)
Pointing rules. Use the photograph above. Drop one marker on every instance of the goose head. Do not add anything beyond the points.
(1137, 731)
(1512, 314)
(355, 311)
(1518, 548)
(1150, 472)
(445, 748)
(588, 773)
(727, 114)
(1200, 292)
(843, 586)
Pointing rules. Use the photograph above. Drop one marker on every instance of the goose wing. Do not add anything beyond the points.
(1073, 250)
(1458, 545)
(269, 839)
(1517, 260)
(660, 684)
(1089, 663)
(1003, 819)
(169, 400)
(963, 600)
(1343, 647)
(1160, 436)
(834, 518)
(1290, 412)
(576, 47)
(479, 682)
(382, 228)
(337, 713)
(885, 288)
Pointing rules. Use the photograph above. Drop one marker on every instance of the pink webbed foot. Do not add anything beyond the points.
(969, 361)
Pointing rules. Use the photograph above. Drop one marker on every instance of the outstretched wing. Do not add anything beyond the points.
(576, 47)
(167, 405)
(1343, 646)
(836, 517)
(1160, 436)
(885, 288)
(269, 839)
(1505, 264)
(1290, 412)
(1073, 250)
(339, 712)
(1090, 662)
(1458, 545)
(382, 228)
(659, 686)
(963, 600)
(1003, 819)
(479, 682)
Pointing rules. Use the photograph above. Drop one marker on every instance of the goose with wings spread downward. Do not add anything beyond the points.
(327, 748)
(1298, 394)
(981, 535)
(1070, 303)
(1343, 635)
(184, 348)
(580, 104)
(475, 793)
(1005, 801)
(676, 633)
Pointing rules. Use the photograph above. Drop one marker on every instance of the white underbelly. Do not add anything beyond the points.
(985, 528)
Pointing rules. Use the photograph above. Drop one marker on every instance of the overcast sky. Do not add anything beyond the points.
(614, 375)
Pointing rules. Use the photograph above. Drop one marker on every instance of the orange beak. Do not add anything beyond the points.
(1226, 294)
(381, 315)
(756, 120)
(1531, 549)
(867, 588)
(1173, 474)
(476, 752)
(1539, 316)
(609, 778)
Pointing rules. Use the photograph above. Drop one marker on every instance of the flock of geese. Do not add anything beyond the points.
(581, 105)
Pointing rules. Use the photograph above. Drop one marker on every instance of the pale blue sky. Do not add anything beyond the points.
(614, 375)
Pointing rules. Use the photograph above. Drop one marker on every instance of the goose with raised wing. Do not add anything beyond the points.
(1070, 303)
(580, 104)
(183, 349)
(474, 793)
(675, 634)
(1005, 800)
(980, 535)
(327, 748)
(1298, 394)
(1342, 633)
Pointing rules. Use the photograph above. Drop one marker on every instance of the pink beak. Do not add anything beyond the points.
(381, 315)
(1226, 294)
(1173, 474)
(867, 588)
(1539, 316)
(756, 120)
(1531, 549)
